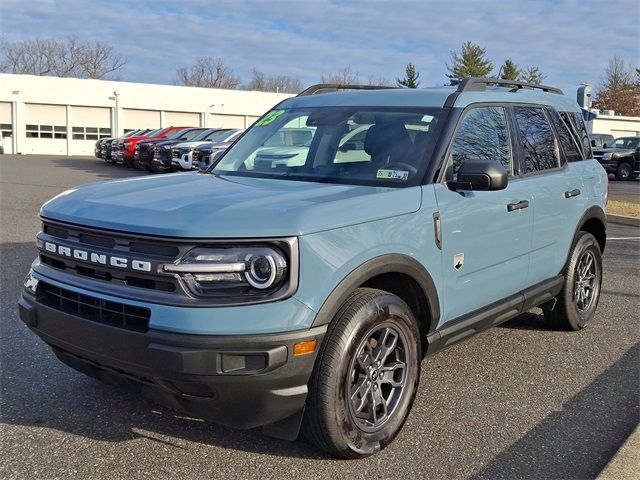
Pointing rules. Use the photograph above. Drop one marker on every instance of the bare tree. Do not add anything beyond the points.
(208, 72)
(279, 83)
(100, 59)
(60, 58)
(346, 76)
(379, 81)
(618, 90)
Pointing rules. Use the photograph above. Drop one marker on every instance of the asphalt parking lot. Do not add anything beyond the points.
(624, 191)
(518, 401)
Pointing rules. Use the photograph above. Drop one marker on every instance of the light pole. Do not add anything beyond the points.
(14, 123)
(116, 122)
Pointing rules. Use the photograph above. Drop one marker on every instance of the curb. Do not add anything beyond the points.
(624, 465)
(622, 220)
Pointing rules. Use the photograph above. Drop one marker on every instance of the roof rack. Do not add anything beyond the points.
(479, 84)
(334, 87)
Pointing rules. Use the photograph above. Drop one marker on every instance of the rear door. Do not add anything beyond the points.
(486, 235)
(554, 183)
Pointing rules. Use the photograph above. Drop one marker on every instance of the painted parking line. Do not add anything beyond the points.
(623, 238)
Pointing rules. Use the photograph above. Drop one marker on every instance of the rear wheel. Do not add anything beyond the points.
(576, 304)
(624, 171)
(366, 376)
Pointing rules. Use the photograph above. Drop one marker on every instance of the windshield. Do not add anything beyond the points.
(629, 143)
(177, 133)
(190, 135)
(349, 145)
(151, 133)
(221, 135)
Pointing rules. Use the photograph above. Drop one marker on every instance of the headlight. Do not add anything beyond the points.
(233, 272)
(606, 156)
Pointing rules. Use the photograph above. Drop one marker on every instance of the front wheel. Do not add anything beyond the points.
(156, 168)
(576, 304)
(366, 376)
(624, 171)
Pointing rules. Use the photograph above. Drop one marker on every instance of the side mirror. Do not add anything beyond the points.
(604, 145)
(480, 175)
(348, 147)
(593, 143)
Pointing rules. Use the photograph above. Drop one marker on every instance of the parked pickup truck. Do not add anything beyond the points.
(621, 157)
(305, 296)
(126, 146)
(182, 153)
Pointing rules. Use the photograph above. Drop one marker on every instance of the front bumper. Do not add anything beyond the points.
(242, 381)
(183, 161)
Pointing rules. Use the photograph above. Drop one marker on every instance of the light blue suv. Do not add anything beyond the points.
(305, 294)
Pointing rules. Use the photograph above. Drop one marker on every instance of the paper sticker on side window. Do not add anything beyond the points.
(392, 174)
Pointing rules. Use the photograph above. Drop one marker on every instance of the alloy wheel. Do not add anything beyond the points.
(377, 377)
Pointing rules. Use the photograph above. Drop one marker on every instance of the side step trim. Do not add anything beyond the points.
(499, 312)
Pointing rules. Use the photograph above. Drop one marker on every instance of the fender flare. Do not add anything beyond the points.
(595, 212)
(390, 263)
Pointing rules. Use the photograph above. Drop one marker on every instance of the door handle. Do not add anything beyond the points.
(572, 193)
(517, 206)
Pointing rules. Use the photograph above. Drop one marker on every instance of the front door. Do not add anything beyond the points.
(486, 235)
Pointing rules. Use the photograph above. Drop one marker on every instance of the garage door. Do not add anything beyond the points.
(6, 126)
(46, 129)
(88, 124)
(227, 121)
(181, 119)
(134, 119)
(251, 120)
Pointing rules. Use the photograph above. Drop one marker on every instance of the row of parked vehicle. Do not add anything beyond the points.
(166, 149)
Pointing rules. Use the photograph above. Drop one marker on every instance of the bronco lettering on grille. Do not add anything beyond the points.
(98, 258)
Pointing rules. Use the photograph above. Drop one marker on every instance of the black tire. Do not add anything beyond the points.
(576, 304)
(624, 171)
(155, 168)
(331, 422)
(138, 165)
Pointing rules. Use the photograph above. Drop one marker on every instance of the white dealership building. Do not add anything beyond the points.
(65, 116)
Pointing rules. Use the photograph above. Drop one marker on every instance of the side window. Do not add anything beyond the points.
(537, 139)
(569, 146)
(482, 134)
(575, 120)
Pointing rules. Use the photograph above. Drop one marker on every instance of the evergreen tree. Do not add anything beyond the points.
(411, 77)
(532, 75)
(510, 70)
(471, 62)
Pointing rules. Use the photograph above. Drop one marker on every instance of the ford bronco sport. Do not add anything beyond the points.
(304, 296)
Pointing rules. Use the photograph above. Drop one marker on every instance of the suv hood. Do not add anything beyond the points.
(619, 151)
(209, 206)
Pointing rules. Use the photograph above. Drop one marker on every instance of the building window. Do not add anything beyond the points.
(90, 133)
(46, 131)
(6, 129)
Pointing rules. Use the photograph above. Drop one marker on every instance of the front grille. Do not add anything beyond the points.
(94, 309)
(112, 244)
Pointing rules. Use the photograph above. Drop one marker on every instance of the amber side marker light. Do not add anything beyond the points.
(304, 348)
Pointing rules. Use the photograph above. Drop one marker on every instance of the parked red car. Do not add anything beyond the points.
(126, 146)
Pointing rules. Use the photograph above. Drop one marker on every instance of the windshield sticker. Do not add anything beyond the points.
(392, 174)
(270, 117)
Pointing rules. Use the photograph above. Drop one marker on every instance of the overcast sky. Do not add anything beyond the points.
(570, 40)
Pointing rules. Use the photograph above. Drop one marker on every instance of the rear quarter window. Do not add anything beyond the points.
(570, 147)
